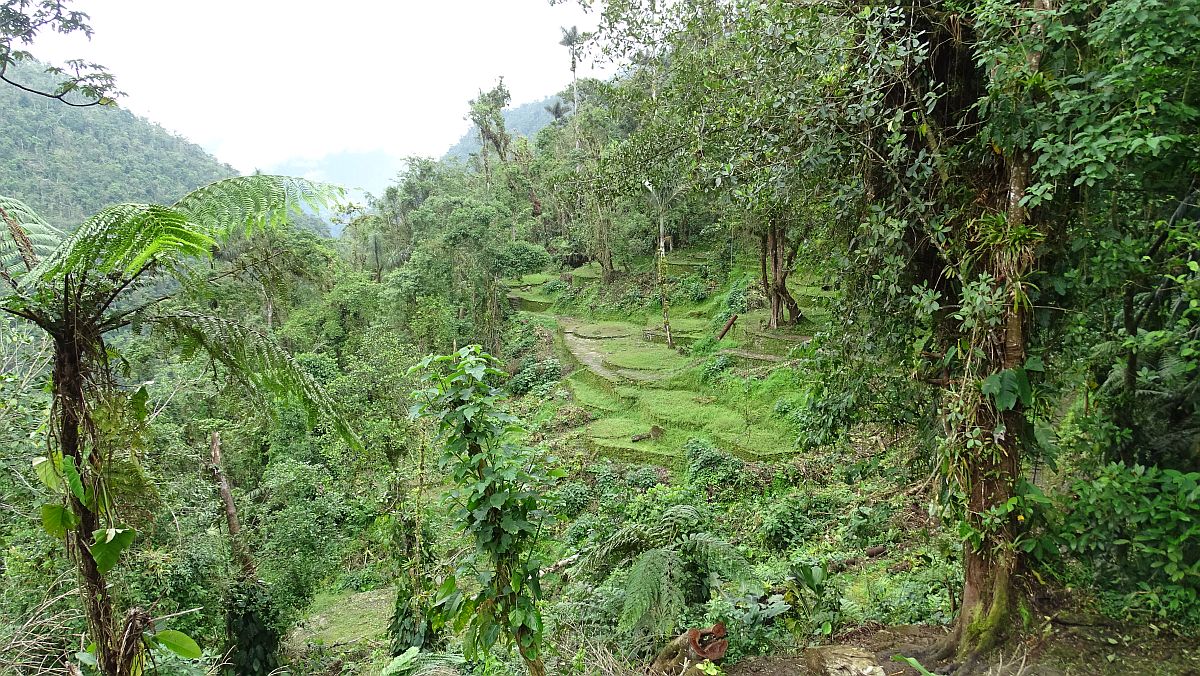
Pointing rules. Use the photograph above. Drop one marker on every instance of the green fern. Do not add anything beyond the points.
(714, 554)
(654, 593)
(130, 238)
(672, 562)
(251, 203)
(256, 359)
(25, 238)
(416, 663)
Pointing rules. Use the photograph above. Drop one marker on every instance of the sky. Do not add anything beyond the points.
(339, 91)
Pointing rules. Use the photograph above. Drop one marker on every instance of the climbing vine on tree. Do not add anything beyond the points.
(498, 505)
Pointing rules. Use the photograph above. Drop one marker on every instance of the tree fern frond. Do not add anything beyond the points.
(413, 662)
(614, 550)
(259, 361)
(123, 239)
(251, 202)
(654, 594)
(23, 233)
(715, 554)
(678, 521)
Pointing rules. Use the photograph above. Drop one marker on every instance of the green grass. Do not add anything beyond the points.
(684, 325)
(643, 357)
(348, 618)
(533, 279)
(590, 271)
(590, 394)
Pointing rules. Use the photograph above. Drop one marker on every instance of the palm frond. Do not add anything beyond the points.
(25, 238)
(251, 202)
(258, 361)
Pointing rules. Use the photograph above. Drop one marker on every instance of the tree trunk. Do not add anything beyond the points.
(774, 247)
(662, 279)
(70, 423)
(238, 549)
(575, 95)
(988, 599)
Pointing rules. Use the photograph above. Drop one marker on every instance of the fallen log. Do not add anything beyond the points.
(655, 433)
(728, 325)
(548, 570)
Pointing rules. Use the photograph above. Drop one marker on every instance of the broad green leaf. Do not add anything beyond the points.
(109, 544)
(57, 520)
(73, 480)
(49, 471)
(179, 643)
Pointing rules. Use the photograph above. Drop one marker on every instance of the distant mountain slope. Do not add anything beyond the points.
(525, 120)
(67, 163)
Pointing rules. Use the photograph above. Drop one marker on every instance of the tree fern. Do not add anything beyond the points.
(715, 554)
(25, 238)
(654, 592)
(251, 202)
(256, 359)
(124, 239)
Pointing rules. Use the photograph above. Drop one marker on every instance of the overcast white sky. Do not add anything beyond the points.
(264, 84)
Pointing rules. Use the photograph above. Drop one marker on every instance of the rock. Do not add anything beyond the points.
(840, 660)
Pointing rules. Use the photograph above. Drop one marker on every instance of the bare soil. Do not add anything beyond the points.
(1057, 650)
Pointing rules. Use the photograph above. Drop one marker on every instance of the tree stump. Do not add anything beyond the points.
(682, 654)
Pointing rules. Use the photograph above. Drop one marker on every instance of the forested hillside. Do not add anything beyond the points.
(70, 162)
(823, 339)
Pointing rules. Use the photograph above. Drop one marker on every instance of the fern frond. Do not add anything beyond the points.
(258, 361)
(678, 521)
(616, 549)
(413, 662)
(251, 203)
(654, 594)
(715, 554)
(127, 238)
(123, 239)
(24, 237)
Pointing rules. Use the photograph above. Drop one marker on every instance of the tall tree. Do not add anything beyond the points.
(572, 39)
(79, 289)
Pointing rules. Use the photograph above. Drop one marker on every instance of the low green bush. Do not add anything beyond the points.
(1138, 529)
(710, 467)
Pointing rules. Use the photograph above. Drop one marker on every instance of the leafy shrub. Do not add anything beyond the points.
(520, 258)
(411, 625)
(1140, 529)
(252, 623)
(691, 287)
(642, 478)
(555, 286)
(536, 376)
(572, 498)
(752, 619)
(794, 519)
(715, 367)
(812, 588)
(710, 467)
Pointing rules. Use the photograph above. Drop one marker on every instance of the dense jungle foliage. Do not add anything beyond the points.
(69, 162)
(866, 325)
